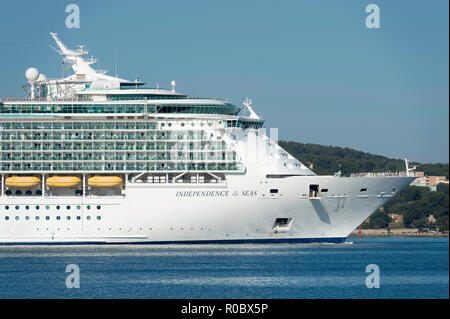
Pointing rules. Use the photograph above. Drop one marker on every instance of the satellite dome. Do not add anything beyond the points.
(41, 78)
(32, 74)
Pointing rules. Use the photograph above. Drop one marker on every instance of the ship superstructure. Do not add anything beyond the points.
(97, 159)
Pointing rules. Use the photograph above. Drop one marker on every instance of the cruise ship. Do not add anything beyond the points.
(92, 158)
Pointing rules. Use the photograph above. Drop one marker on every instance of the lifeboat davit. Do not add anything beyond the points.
(105, 181)
(22, 181)
(63, 181)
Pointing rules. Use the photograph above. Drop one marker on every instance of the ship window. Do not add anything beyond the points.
(6, 207)
(78, 206)
(68, 217)
(8, 192)
(47, 207)
(38, 192)
(17, 217)
(37, 207)
(27, 217)
(37, 217)
(27, 207)
(18, 192)
(78, 217)
(363, 190)
(58, 217)
(28, 192)
(58, 207)
(6, 217)
(88, 206)
(98, 217)
(98, 207)
(68, 207)
(17, 207)
(274, 191)
(88, 217)
(47, 217)
(324, 190)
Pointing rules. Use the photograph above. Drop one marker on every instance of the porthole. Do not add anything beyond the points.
(27, 217)
(78, 207)
(17, 207)
(6, 217)
(27, 207)
(37, 217)
(88, 217)
(68, 207)
(28, 192)
(68, 217)
(78, 217)
(47, 207)
(182, 124)
(98, 207)
(47, 217)
(88, 206)
(17, 217)
(98, 218)
(58, 207)
(58, 217)
(37, 207)
(18, 192)
(169, 125)
(6, 207)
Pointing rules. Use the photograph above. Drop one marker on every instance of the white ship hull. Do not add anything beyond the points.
(236, 212)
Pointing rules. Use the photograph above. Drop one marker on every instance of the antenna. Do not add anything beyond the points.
(407, 167)
(115, 61)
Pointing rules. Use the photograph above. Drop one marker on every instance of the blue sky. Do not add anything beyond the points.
(312, 67)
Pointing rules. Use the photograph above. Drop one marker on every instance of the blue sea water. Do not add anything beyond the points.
(409, 268)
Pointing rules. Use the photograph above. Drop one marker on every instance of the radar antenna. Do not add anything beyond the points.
(248, 104)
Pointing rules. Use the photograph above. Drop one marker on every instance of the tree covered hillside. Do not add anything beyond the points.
(326, 160)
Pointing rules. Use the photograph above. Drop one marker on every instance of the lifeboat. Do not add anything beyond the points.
(63, 181)
(105, 181)
(22, 181)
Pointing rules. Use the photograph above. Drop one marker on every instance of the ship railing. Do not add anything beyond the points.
(41, 99)
(378, 174)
